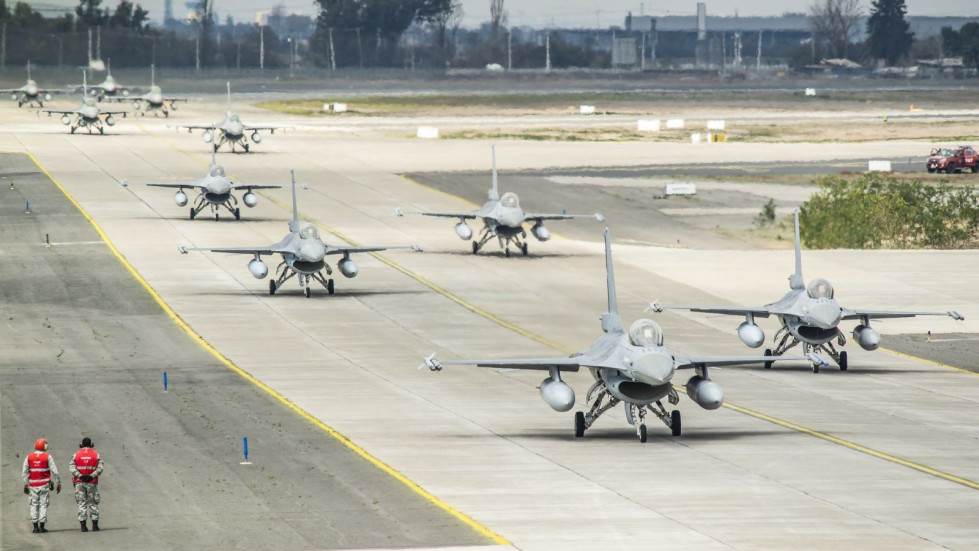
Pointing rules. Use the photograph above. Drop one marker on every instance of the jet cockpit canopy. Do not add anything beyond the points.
(309, 232)
(645, 332)
(510, 199)
(820, 288)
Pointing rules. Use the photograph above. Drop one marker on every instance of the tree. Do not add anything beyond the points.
(836, 22)
(445, 21)
(969, 40)
(90, 13)
(498, 18)
(379, 24)
(889, 34)
(951, 42)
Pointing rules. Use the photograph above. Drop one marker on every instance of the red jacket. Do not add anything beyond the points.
(86, 461)
(39, 464)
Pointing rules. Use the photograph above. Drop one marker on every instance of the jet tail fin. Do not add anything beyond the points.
(152, 75)
(294, 224)
(494, 192)
(28, 69)
(610, 319)
(229, 95)
(84, 83)
(795, 280)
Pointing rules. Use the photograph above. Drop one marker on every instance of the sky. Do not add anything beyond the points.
(558, 13)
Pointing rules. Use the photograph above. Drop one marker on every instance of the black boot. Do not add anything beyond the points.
(41, 528)
(95, 526)
(36, 530)
(84, 527)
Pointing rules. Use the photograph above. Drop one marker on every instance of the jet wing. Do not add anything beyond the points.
(691, 362)
(351, 250)
(849, 314)
(123, 113)
(192, 127)
(272, 129)
(539, 217)
(464, 215)
(233, 250)
(543, 364)
(60, 111)
(255, 186)
(758, 312)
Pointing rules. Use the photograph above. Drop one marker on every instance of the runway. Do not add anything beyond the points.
(879, 457)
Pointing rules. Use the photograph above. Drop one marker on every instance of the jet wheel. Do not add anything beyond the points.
(246, 148)
(768, 352)
(193, 213)
(238, 214)
(475, 247)
(843, 361)
(215, 148)
(329, 286)
(507, 252)
(307, 292)
(642, 433)
(579, 424)
(215, 217)
(523, 249)
(675, 422)
(271, 287)
(815, 367)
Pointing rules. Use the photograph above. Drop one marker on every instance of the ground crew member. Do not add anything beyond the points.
(38, 469)
(85, 467)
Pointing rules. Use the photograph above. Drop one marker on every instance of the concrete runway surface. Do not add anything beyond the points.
(879, 457)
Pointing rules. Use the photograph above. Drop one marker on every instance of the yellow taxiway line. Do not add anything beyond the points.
(495, 538)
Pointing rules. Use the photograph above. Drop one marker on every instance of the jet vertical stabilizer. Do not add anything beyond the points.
(610, 320)
(795, 280)
(494, 192)
(294, 224)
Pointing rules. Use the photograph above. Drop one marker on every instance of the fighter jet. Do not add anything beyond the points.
(633, 368)
(303, 255)
(231, 130)
(108, 87)
(30, 93)
(215, 190)
(503, 219)
(87, 115)
(809, 315)
(154, 101)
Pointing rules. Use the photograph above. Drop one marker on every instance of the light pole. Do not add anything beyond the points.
(291, 43)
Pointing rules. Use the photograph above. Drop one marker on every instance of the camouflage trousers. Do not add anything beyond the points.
(39, 498)
(87, 497)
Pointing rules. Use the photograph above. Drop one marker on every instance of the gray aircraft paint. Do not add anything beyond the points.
(214, 191)
(503, 218)
(231, 130)
(303, 255)
(634, 368)
(810, 315)
(87, 115)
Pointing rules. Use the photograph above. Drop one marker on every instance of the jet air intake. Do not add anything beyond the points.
(751, 334)
(557, 394)
(705, 392)
(867, 338)
(464, 231)
(541, 232)
(180, 198)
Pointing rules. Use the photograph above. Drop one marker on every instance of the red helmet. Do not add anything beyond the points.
(41, 445)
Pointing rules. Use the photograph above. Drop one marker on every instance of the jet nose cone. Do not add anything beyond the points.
(311, 251)
(219, 187)
(825, 314)
(654, 369)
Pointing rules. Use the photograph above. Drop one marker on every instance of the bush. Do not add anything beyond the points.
(876, 211)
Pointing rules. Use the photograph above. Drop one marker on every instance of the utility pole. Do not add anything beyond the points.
(360, 49)
(3, 47)
(509, 50)
(261, 49)
(197, 52)
(547, 50)
(333, 58)
(642, 52)
(758, 59)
